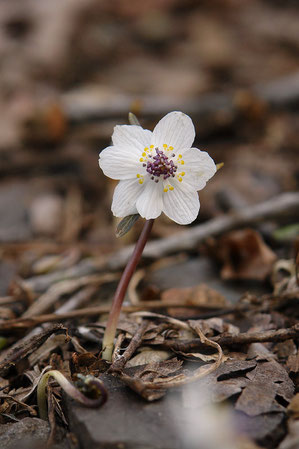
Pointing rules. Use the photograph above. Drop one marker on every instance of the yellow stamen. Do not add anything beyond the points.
(141, 159)
(138, 176)
(164, 145)
(143, 154)
(180, 156)
(140, 181)
(151, 146)
(180, 179)
(183, 173)
(146, 149)
(171, 148)
(171, 187)
(182, 162)
(165, 189)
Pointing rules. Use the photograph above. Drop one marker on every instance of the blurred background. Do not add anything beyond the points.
(70, 70)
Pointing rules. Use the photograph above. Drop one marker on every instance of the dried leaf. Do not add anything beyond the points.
(268, 381)
(245, 255)
(147, 356)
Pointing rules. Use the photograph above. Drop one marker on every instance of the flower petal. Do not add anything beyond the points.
(199, 167)
(181, 205)
(150, 202)
(131, 137)
(124, 197)
(118, 163)
(175, 129)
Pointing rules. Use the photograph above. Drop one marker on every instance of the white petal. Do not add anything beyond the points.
(150, 202)
(199, 167)
(175, 129)
(118, 163)
(181, 205)
(131, 137)
(125, 196)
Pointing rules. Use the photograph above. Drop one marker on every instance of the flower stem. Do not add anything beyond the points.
(108, 340)
(91, 384)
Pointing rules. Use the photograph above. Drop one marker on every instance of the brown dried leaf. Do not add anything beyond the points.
(144, 375)
(267, 381)
(245, 255)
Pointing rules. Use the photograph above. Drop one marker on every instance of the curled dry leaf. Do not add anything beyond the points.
(245, 255)
(158, 382)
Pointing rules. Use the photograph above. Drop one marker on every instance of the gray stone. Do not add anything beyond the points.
(124, 422)
(183, 419)
(26, 433)
(31, 433)
(201, 270)
(266, 429)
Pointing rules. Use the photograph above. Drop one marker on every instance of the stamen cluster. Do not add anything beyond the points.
(161, 165)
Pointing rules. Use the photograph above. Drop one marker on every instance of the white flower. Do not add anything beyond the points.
(158, 171)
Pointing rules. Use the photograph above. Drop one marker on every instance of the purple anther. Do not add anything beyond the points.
(160, 165)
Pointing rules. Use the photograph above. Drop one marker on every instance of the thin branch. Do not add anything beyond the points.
(234, 340)
(280, 93)
(136, 341)
(286, 203)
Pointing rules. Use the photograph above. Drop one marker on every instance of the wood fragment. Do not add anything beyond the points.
(26, 323)
(286, 203)
(23, 349)
(234, 340)
(280, 93)
(120, 362)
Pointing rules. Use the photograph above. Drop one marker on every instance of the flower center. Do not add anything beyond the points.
(160, 165)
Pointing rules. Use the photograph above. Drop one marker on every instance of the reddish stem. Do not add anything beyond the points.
(108, 340)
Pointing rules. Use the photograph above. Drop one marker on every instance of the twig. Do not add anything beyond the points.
(6, 300)
(233, 340)
(81, 109)
(286, 203)
(45, 301)
(258, 337)
(180, 379)
(120, 362)
(25, 323)
(23, 349)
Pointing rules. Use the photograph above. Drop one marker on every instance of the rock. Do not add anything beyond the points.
(197, 271)
(182, 419)
(267, 430)
(28, 433)
(124, 422)
(31, 433)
